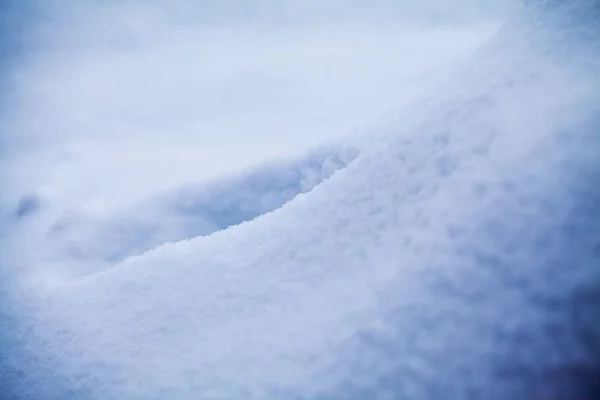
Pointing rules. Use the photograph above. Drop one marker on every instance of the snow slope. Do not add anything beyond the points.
(99, 81)
(113, 113)
(71, 244)
(458, 261)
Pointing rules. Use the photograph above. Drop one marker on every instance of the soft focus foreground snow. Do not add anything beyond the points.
(440, 262)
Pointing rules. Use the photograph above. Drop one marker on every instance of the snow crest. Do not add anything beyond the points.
(458, 261)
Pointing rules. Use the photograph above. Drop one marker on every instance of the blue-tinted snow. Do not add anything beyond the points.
(449, 262)
(76, 244)
(134, 124)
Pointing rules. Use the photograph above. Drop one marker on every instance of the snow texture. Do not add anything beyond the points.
(77, 243)
(459, 260)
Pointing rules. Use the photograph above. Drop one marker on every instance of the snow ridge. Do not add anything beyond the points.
(450, 264)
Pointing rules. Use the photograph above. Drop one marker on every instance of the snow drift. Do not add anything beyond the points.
(111, 107)
(460, 260)
(73, 243)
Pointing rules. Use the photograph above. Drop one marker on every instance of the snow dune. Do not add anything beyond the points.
(119, 112)
(447, 262)
(76, 244)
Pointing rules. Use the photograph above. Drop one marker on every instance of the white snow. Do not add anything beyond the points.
(440, 262)
(116, 110)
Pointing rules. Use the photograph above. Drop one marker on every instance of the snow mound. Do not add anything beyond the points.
(451, 263)
(85, 244)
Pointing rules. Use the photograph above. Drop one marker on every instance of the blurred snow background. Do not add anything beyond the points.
(113, 104)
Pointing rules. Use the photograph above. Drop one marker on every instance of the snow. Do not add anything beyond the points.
(116, 110)
(443, 261)
(193, 93)
(76, 244)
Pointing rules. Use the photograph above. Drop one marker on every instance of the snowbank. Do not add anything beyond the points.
(449, 263)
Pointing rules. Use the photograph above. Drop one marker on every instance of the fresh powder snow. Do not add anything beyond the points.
(456, 258)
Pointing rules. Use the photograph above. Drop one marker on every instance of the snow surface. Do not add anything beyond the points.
(76, 244)
(177, 95)
(448, 261)
(118, 112)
